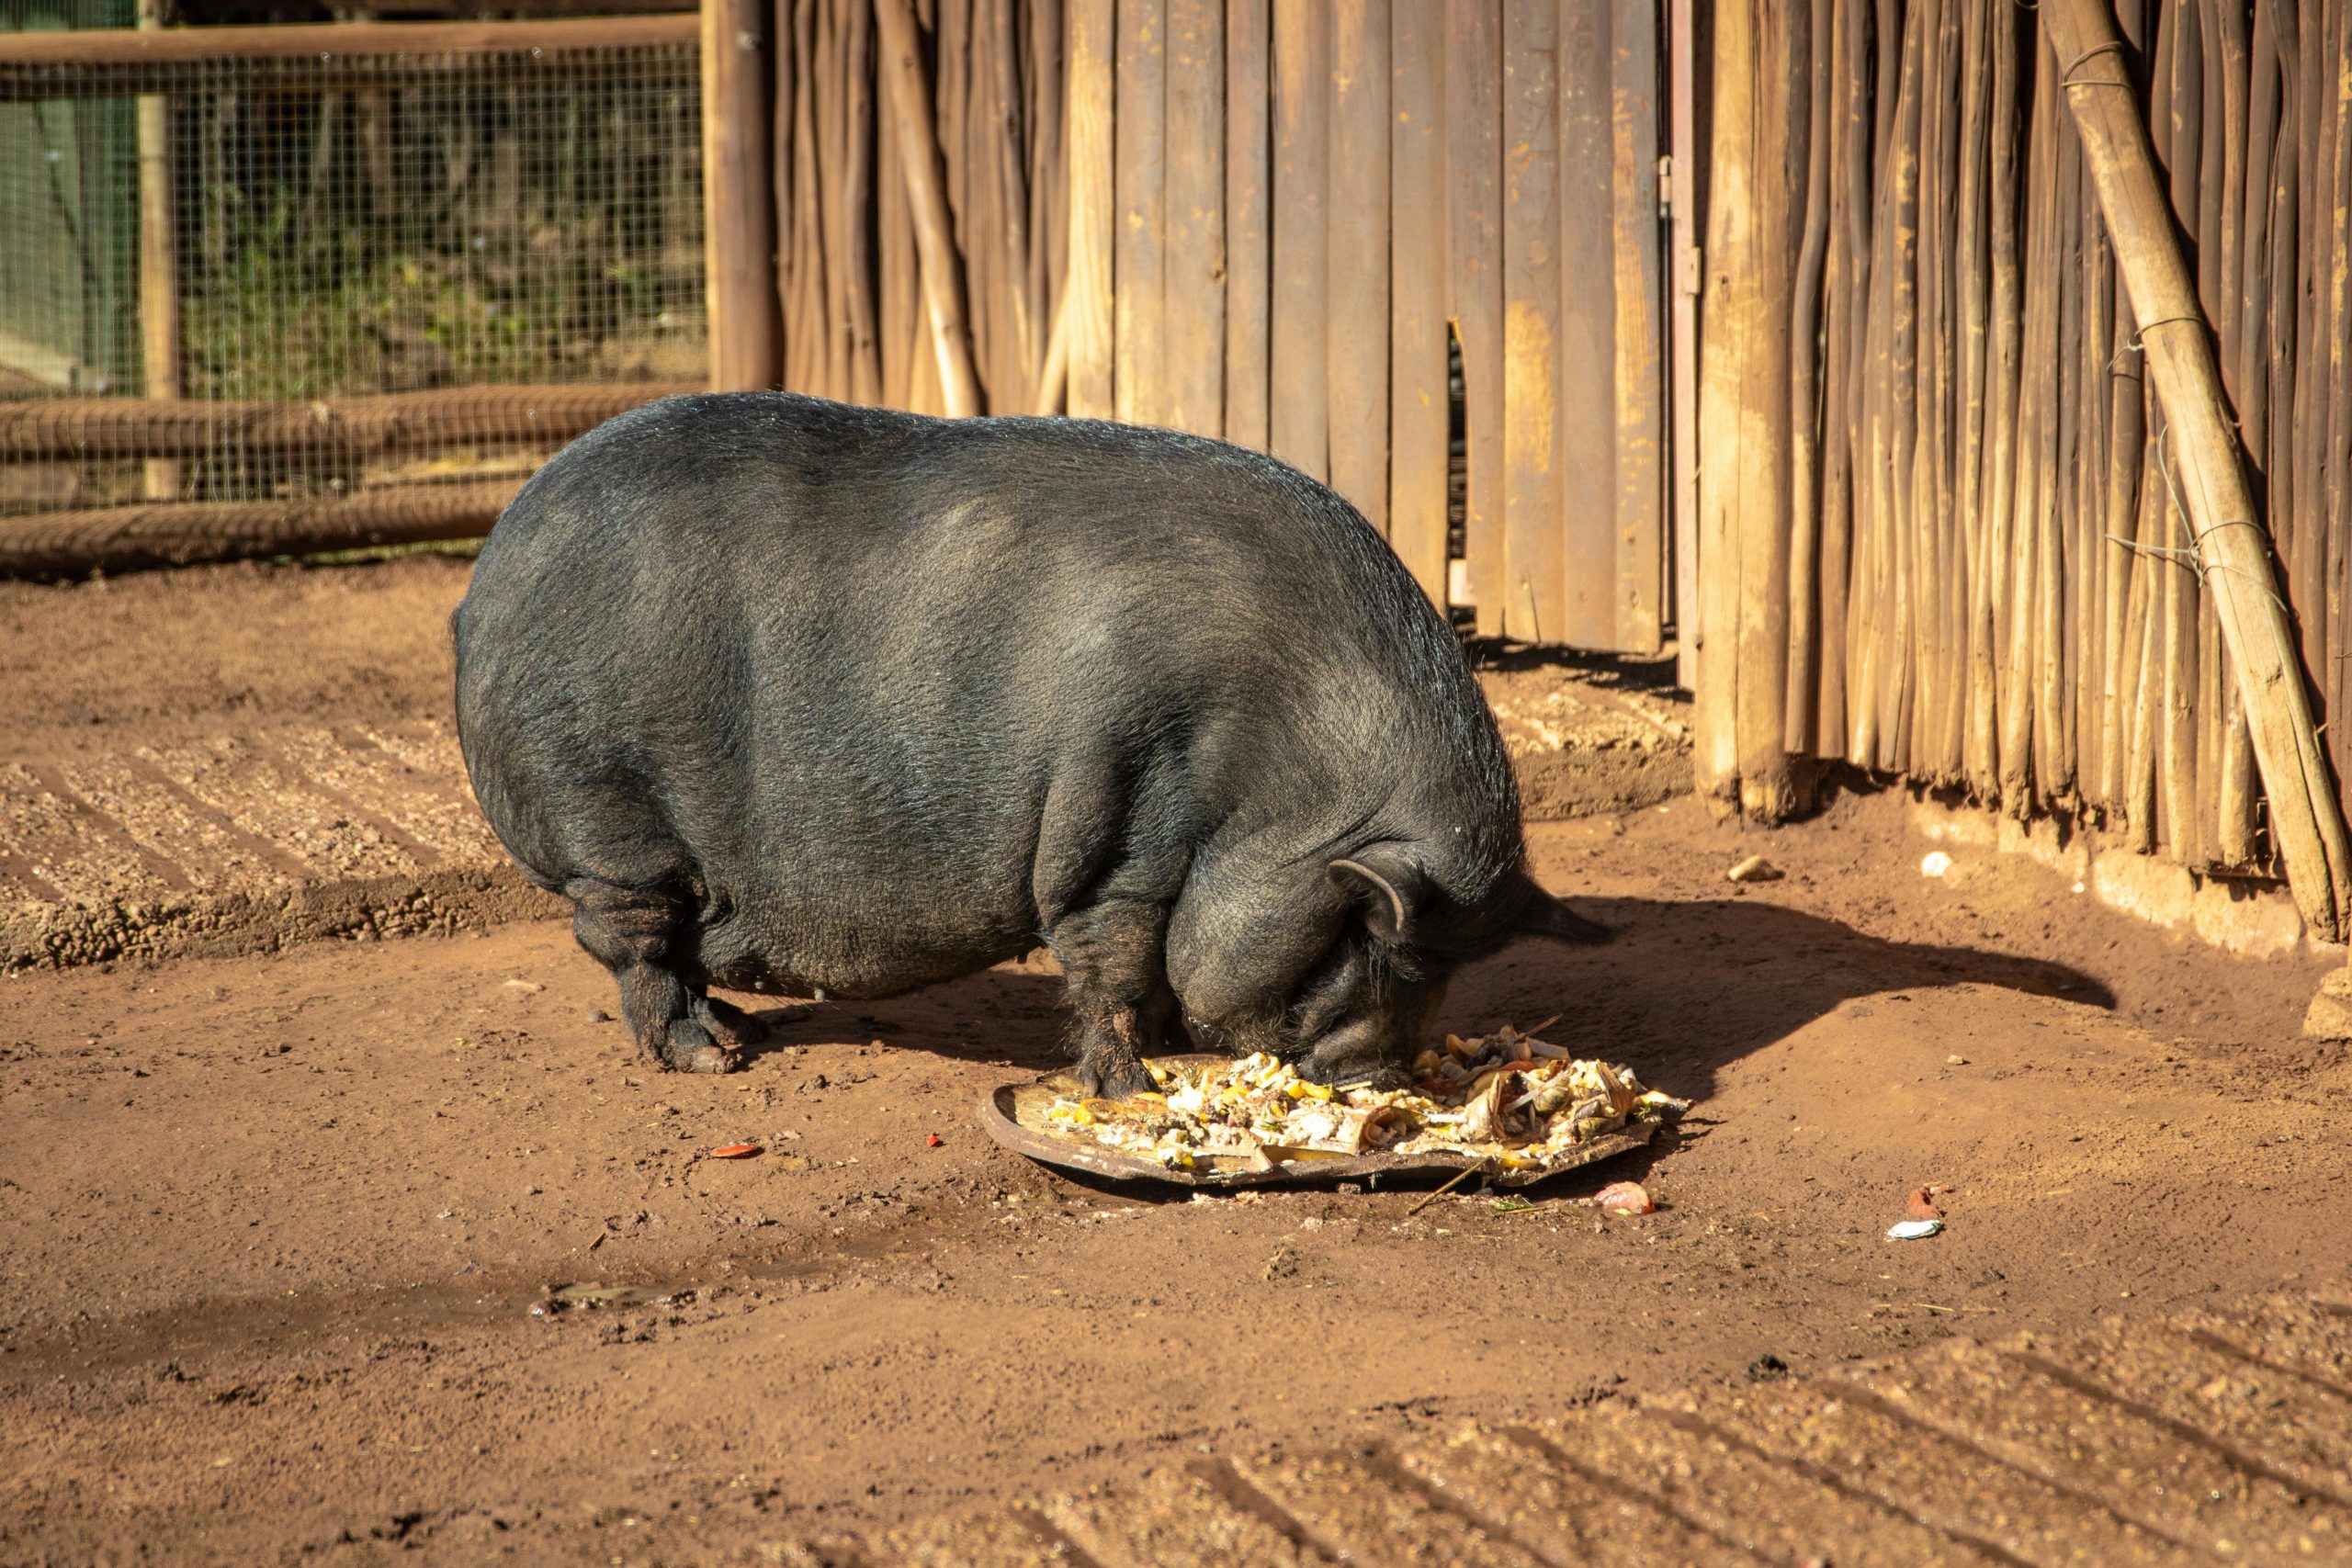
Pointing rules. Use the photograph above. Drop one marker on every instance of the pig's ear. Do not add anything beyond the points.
(1545, 916)
(1386, 889)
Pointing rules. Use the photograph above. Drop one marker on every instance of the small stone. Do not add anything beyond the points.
(598, 1015)
(1956, 1061)
(1754, 868)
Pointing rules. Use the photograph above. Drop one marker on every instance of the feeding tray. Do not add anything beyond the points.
(1014, 1115)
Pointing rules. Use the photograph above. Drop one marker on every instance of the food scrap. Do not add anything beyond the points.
(1914, 1230)
(1754, 868)
(1519, 1102)
(1922, 1202)
(1623, 1198)
(932, 1141)
(735, 1151)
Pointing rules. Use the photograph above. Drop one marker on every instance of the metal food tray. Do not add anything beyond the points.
(1014, 1115)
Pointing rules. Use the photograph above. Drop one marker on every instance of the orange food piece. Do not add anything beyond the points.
(1922, 1206)
(735, 1151)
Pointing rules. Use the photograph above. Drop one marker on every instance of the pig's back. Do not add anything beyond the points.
(862, 670)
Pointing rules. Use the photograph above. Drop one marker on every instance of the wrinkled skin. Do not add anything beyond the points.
(790, 696)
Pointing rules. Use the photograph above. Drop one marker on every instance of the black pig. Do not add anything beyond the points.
(788, 695)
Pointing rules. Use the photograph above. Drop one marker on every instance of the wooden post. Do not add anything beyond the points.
(942, 264)
(738, 199)
(159, 295)
(1762, 124)
(1682, 274)
(2233, 547)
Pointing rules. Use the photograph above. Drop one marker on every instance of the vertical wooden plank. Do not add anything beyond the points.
(1533, 560)
(1357, 341)
(1091, 199)
(1641, 473)
(1587, 367)
(1419, 407)
(1048, 220)
(1298, 418)
(1249, 45)
(1473, 266)
(1139, 137)
(739, 224)
(1195, 217)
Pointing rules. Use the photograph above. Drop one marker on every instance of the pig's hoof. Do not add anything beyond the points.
(689, 1049)
(729, 1024)
(704, 1059)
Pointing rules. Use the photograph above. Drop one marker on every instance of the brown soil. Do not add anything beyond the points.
(274, 1225)
(161, 656)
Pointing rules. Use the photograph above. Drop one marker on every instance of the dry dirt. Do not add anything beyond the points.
(274, 1225)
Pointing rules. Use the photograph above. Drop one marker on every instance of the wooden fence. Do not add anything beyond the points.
(1983, 549)
(1278, 223)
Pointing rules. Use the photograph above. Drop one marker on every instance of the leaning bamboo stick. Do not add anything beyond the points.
(943, 269)
(2231, 544)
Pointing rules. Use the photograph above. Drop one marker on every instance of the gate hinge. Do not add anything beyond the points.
(1665, 187)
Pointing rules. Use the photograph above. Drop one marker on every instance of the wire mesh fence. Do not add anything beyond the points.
(299, 276)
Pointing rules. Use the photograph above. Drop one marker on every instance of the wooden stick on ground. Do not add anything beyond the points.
(2233, 548)
(942, 264)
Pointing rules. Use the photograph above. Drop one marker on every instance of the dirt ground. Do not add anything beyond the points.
(279, 1230)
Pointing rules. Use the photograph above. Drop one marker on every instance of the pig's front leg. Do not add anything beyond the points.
(1119, 996)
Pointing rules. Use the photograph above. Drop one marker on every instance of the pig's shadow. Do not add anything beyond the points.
(1688, 987)
(1685, 988)
(1008, 1016)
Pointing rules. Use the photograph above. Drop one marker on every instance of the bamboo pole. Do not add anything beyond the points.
(942, 267)
(1806, 423)
(2232, 548)
(739, 224)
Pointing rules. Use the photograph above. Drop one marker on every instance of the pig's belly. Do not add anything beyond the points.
(862, 934)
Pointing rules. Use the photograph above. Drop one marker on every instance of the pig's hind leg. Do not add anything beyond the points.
(1113, 958)
(648, 941)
